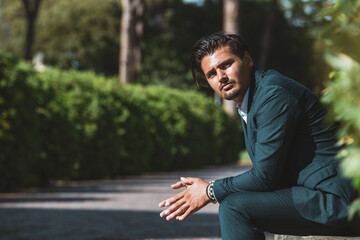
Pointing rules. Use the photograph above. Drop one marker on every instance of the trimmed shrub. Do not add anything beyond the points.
(77, 125)
(19, 135)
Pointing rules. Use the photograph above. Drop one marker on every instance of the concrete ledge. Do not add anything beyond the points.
(290, 237)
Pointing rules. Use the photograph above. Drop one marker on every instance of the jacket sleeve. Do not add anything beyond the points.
(274, 124)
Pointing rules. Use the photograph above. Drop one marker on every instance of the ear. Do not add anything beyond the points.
(248, 59)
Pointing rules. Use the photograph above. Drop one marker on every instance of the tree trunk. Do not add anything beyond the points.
(265, 47)
(131, 32)
(231, 19)
(231, 24)
(31, 11)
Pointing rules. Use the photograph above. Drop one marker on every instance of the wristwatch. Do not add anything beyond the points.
(210, 192)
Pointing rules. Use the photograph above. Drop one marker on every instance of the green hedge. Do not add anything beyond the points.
(76, 125)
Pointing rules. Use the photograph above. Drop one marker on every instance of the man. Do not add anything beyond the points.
(295, 185)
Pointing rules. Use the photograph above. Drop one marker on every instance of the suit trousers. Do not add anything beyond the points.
(246, 215)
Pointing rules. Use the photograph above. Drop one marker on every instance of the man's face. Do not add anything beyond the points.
(227, 74)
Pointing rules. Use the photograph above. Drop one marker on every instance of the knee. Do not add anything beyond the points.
(234, 204)
(224, 208)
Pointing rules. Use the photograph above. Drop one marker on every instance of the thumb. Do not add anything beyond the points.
(187, 180)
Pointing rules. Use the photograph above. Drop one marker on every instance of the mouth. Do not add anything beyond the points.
(226, 86)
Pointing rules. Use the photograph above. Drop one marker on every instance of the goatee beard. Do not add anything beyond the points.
(231, 95)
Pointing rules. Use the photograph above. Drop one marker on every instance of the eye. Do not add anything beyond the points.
(226, 65)
(211, 74)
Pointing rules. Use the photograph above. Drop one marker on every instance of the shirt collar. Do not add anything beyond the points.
(242, 110)
(244, 104)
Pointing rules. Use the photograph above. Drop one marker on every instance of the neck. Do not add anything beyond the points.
(239, 100)
(242, 94)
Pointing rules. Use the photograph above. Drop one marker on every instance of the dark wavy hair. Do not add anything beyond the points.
(207, 46)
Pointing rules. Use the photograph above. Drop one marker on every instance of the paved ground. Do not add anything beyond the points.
(107, 210)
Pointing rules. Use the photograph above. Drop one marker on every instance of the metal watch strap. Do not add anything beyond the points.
(210, 192)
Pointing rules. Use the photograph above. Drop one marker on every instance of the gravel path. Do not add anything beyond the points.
(109, 209)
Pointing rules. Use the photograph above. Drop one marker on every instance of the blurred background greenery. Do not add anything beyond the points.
(85, 35)
(70, 118)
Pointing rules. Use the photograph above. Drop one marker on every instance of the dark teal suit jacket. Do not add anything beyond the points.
(290, 147)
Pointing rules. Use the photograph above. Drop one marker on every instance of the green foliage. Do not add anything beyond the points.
(72, 34)
(18, 124)
(171, 29)
(78, 125)
(85, 35)
(341, 39)
(80, 34)
(342, 34)
(244, 155)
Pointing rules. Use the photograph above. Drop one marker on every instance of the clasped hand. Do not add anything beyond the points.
(192, 199)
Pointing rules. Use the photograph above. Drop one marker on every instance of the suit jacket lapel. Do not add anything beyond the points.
(256, 77)
(246, 138)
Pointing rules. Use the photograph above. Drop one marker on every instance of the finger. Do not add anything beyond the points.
(187, 213)
(164, 213)
(173, 208)
(187, 180)
(162, 204)
(166, 202)
(177, 213)
(169, 202)
(174, 199)
(178, 185)
(182, 183)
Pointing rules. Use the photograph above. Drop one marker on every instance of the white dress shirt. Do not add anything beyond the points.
(244, 106)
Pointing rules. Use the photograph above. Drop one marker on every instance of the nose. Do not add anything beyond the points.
(221, 75)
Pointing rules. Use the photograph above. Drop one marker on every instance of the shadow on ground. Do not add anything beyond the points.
(51, 224)
(124, 208)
